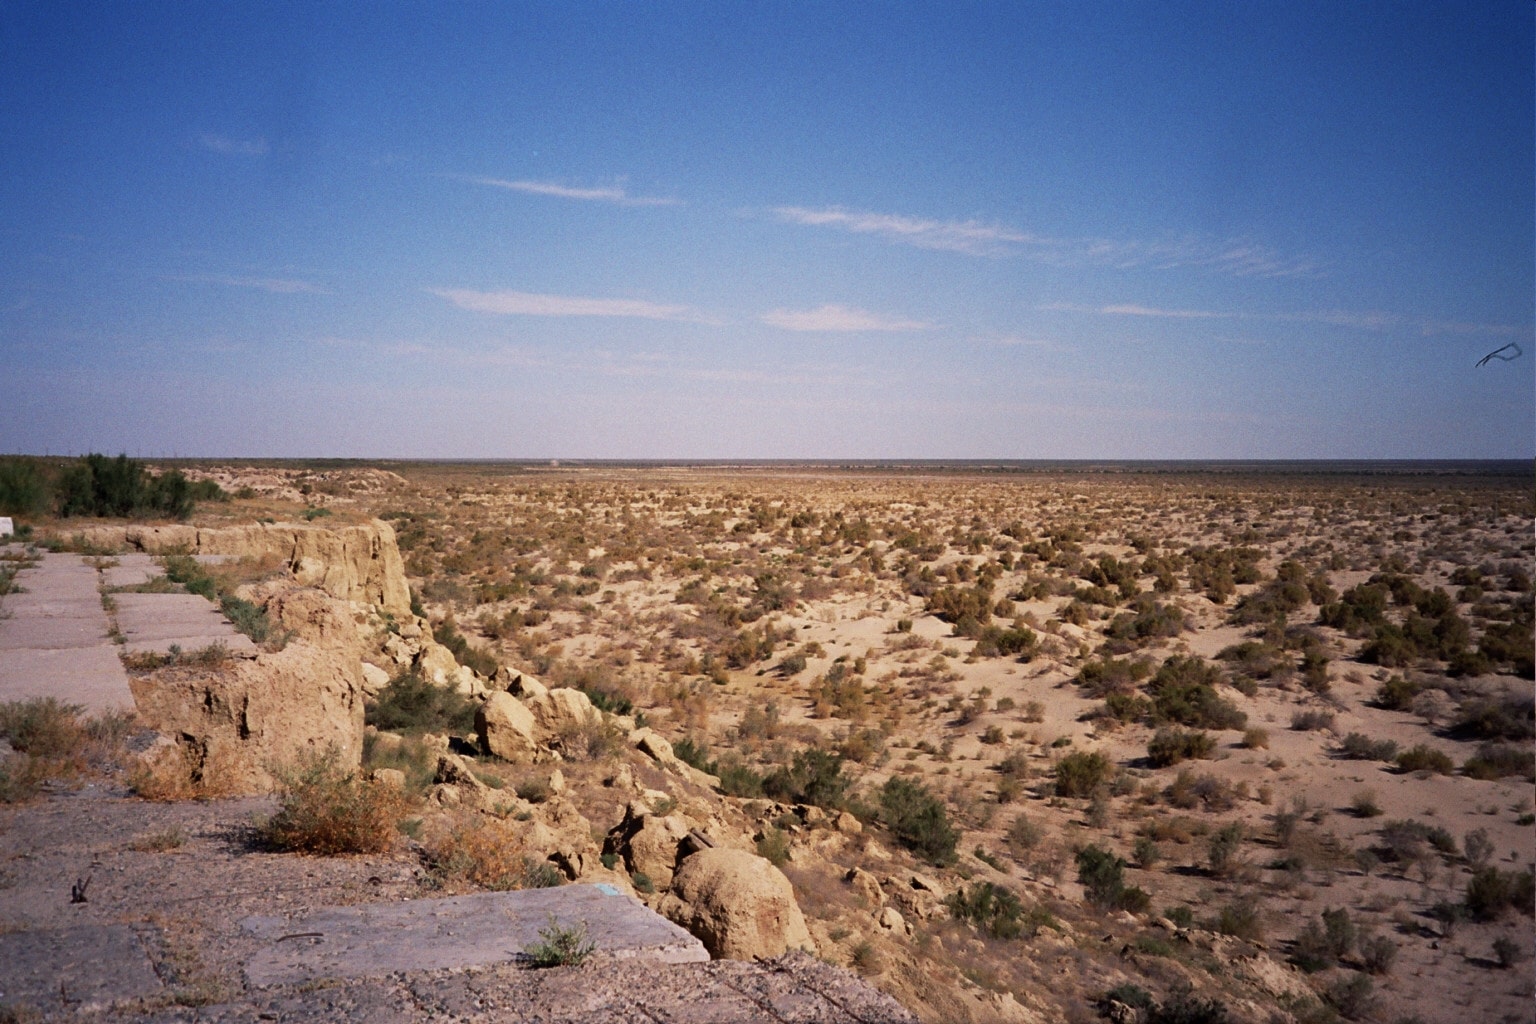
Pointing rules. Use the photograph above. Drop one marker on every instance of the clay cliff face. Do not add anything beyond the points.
(360, 564)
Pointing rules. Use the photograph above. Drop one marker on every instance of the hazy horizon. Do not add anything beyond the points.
(1046, 231)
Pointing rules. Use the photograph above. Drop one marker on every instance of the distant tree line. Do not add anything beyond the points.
(98, 486)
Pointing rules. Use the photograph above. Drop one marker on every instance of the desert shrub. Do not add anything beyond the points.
(1024, 833)
(324, 809)
(1323, 944)
(487, 852)
(1424, 758)
(737, 778)
(1311, 720)
(1223, 849)
(594, 738)
(773, 846)
(1364, 805)
(1102, 875)
(1183, 691)
(1146, 853)
(561, 945)
(695, 753)
(813, 777)
(995, 910)
(1507, 952)
(1357, 746)
(248, 618)
(190, 573)
(1351, 995)
(1377, 953)
(1240, 920)
(1205, 791)
(1127, 707)
(1508, 718)
(1018, 640)
(1256, 738)
(1397, 693)
(411, 704)
(1491, 892)
(43, 727)
(1499, 760)
(1406, 841)
(447, 634)
(918, 819)
(1082, 773)
(1169, 746)
(1105, 676)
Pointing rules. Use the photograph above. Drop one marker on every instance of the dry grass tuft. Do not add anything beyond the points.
(326, 810)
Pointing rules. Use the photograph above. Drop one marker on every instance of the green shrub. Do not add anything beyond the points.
(325, 810)
(1491, 892)
(1170, 746)
(814, 777)
(1357, 746)
(1223, 850)
(1323, 945)
(736, 778)
(1240, 920)
(1184, 691)
(1082, 773)
(561, 945)
(918, 819)
(409, 703)
(248, 618)
(993, 909)
(1102, 875)
(1397, 693)
(1499, 760)
(774, 846)
(1424, 758)
(447, 634)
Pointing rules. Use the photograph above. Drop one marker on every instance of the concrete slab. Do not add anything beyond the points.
(92, 677)
(459, 931)
(24, 630)
(131, 571)
(81, 968)
(156, 621)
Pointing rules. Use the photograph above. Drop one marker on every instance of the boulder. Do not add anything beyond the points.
(561, 712)
(506, 728)
(866, 887)
(648, 843)
(738, 904)
(437, 664)
(374, 679)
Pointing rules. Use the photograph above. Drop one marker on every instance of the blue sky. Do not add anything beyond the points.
(729, 230)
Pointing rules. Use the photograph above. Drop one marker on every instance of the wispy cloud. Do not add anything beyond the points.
(508, 303)
(275, 285)
(602, 194)
(234, 147)
(980, 238)
(1174, 314)
(967, 236)
(838, 318)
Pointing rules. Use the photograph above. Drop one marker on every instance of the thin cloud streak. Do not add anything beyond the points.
(1176, 314)
(838, 318)
(604, 194)
(978, 238)
(511, 303)
(1364, 320)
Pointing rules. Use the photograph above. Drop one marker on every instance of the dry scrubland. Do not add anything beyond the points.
(1160, 747)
